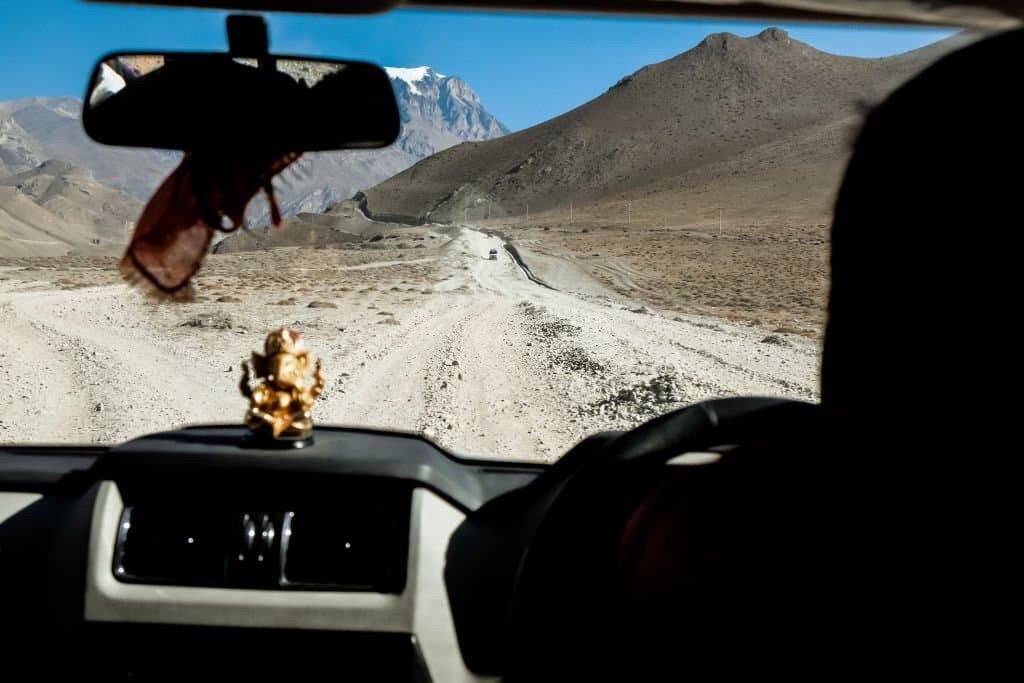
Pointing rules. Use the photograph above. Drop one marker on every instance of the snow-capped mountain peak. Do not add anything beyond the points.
(411, 76)
(438, 111)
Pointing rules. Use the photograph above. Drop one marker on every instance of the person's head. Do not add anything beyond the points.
(924, 243)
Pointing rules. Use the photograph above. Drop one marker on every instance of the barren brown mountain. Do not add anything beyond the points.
(57, 209)
(765, 120)
(701, 184)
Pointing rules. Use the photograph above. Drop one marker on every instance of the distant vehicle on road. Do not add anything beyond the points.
(493, 254)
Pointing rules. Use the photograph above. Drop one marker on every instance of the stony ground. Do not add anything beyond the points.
(437, 339)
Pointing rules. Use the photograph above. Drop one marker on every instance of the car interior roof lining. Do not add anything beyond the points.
(984, 14)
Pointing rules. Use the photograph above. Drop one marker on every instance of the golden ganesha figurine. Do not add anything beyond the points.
(287, 381)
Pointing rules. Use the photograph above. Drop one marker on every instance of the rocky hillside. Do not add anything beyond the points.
(37, 129)
(57, 209)
(437, 112)
(766, 120)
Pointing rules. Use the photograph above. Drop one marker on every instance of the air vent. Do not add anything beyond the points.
(177, 546)
(199, 547)
(323, 549)
(356, 543)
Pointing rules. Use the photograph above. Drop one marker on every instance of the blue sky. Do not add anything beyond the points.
(525, 68)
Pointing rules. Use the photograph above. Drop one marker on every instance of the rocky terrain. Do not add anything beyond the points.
(702, 184)
(697, 128)
(418, 331)
(56, 208)
(38, 129)
(437, 112)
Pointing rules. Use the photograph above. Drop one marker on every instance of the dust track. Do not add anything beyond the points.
(479, 358)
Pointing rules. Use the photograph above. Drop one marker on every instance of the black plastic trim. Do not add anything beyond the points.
(166, 652)
(964, 14)
(464, 482)
(47, 469)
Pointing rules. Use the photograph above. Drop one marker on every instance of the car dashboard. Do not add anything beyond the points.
(194, 553)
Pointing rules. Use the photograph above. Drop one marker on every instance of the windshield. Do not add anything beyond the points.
(585, 223)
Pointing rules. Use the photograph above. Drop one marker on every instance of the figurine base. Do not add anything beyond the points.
(264, 438)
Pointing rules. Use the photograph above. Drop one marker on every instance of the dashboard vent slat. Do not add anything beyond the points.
(356, 542)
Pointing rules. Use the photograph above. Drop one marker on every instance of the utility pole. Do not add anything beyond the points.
(719, 221)
(488, 209)
(629, 212)
(527, 210)
(570, 212)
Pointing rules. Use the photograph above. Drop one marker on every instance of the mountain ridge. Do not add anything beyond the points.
(57, 208)
(443, 111)
(655, 128)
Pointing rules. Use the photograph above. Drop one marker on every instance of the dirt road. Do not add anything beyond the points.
(445, 341)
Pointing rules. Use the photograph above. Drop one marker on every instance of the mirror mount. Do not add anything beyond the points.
(247, 35)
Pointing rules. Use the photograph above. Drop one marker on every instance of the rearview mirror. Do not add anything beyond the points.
(214, 101)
